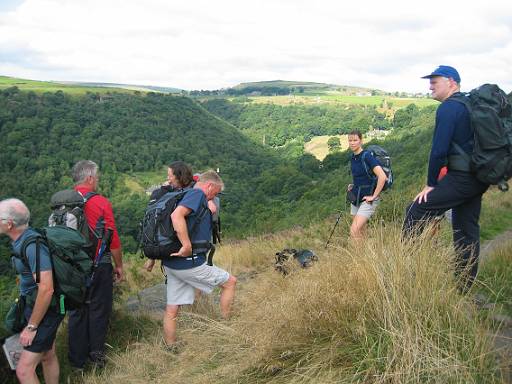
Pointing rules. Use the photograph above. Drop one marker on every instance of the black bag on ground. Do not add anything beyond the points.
(490, 112)
(304, 258)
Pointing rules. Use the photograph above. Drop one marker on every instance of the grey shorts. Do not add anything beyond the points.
(181, 283)
(364, 209)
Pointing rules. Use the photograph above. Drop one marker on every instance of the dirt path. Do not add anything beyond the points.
(503, 338)
(490, 246)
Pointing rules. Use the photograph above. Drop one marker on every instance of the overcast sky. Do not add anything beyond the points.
(211, 44)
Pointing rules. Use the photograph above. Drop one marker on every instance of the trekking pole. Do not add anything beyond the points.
(210, 256)
(334, 228)
(104, 244)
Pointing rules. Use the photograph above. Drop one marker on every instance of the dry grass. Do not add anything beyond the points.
(318, 147)
(386, 312)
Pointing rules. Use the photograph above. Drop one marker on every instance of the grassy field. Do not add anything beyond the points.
(383, 102)
(48, 86)
(314, 96)
(306, 86)
(317, 146)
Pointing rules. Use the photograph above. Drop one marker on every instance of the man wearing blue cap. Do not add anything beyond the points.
(459, 190)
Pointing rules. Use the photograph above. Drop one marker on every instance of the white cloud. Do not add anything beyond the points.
(202, 44)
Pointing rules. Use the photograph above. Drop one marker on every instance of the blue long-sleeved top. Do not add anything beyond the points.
(452, 125)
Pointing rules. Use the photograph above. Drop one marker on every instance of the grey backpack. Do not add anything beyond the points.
(68, 210)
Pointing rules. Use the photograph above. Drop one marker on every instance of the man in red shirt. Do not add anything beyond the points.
(88, 325)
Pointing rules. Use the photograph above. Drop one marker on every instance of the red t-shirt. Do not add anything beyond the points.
(97, 207)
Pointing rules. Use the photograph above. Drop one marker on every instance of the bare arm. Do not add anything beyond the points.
(212, 207)
(381, 180)
(179, 223)
(117, 255)
(43, 300)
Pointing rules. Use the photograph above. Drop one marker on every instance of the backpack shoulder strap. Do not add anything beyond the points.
(89, 195)
(199, 218)
(462, 98)
(366, 168)
(37, 239)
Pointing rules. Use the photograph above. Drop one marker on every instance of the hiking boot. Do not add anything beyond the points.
(98, 359)
(77, 375)
(482, 301)
(175, 348)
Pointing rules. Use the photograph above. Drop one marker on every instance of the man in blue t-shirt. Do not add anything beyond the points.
(459, 190)
(187, 270)
(38, 337)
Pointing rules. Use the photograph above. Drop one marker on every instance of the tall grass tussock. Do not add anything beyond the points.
(384, 311)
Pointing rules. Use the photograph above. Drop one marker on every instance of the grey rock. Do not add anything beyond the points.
(152, 300)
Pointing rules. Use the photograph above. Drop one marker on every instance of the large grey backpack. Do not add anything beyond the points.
(68, 210)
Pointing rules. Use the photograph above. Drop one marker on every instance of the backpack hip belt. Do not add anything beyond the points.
(459, 163)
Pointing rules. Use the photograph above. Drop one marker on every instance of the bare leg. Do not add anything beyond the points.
(227, 296)
(357, 229)
(51, 367)
(170, 317)
(26, 368)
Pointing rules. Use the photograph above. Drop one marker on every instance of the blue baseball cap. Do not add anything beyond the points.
(445, 71)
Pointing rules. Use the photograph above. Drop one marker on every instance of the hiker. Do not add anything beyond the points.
(88, 325)
(214, 207)
(187, 270)
(38, 336)
(179, 176)
(368, 181)
(458, 190)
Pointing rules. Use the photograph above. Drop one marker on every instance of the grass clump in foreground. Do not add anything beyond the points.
(385, 313)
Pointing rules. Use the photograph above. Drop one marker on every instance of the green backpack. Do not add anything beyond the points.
(71, 265)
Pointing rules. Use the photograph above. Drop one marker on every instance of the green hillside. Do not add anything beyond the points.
(300, 87)
(285, 83)
(42, 135)
(277, 125)
(51, 86)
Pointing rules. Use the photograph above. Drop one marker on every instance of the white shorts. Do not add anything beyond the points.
(181, 283)
(364, 209)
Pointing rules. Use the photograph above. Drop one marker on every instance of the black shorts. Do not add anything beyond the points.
(46, 331)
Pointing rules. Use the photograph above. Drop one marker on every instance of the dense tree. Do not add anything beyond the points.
(278, 125)
(43, 136)
(334, 144)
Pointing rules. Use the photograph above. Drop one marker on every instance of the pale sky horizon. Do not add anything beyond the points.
(201, 44)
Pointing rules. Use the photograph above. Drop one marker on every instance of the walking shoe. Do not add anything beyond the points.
(98, 359)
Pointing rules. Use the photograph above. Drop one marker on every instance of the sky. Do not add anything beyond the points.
(213, 44)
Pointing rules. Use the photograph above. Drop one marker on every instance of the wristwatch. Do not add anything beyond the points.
(31, 328)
